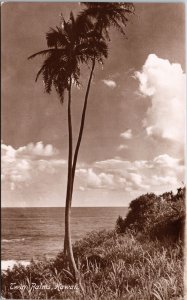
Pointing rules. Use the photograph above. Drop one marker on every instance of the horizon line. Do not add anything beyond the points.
(59, 206)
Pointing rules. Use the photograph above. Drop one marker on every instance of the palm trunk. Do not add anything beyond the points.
(68, 252)
(81, 129)
(77, 150)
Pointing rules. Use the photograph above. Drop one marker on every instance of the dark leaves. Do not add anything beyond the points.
(73, 43)
(108, 14)
(79, 40)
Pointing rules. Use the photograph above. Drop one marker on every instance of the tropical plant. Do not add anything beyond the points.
(73, 43)
(157, 217)
(107, 14)
(130, 268)
(77, 41)
(102, 15)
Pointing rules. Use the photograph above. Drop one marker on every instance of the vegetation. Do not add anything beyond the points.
(78, 41)
(113, 265)
(68, 46)
(157, 217)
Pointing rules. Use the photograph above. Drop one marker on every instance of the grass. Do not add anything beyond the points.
(142, 259)
(112, 266)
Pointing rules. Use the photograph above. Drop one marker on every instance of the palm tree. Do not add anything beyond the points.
(73, 43)
(102, 15)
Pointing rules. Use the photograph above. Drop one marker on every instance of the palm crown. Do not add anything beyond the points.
(105, 15)
(73, 43)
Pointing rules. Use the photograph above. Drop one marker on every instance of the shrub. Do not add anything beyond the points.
(117, 266)
(133, 269)
(160, 217)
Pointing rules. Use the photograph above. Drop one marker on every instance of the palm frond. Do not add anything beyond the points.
(40, 72)
(43, 52)
(106, 14)
(77, 41)
(116, 25)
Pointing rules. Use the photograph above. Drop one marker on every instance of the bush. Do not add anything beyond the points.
(160, 217)
(133, 269)
(117, 266)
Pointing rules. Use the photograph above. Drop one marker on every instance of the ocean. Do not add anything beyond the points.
(32, 233)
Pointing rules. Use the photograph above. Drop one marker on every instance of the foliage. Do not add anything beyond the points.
(133, 269)
(70, 45)
(106, 15)
(77, 41)
(156, 216)
(115, 265)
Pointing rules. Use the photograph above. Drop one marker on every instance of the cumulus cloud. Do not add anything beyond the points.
(31, 150)
(38, 149)
(127, 134)
(164, 83)
(7, 152)
(110, 83)
(93, 180)
(26, 164)
(160, 174)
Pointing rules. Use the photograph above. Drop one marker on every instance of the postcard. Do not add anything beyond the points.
(93, 141)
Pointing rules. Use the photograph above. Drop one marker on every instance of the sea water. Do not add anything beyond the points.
(32, 233)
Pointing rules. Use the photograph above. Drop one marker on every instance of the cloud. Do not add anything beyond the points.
(38, 149)
(122, 147)
(30, 176)
(31, 150)
(167, 180)
(28, 164)
(7, 152)
(165, 160)
(127, 134)
(96, 181)
(110, 83)
(160, 174)
(164, 83)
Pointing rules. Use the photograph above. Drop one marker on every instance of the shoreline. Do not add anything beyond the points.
(8, 264)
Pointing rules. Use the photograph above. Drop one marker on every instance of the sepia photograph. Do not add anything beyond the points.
(93, 150)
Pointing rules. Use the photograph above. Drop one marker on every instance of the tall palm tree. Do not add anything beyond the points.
(73, 43)
(103, 16)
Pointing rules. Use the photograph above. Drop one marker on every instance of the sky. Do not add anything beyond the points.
(133, 140)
